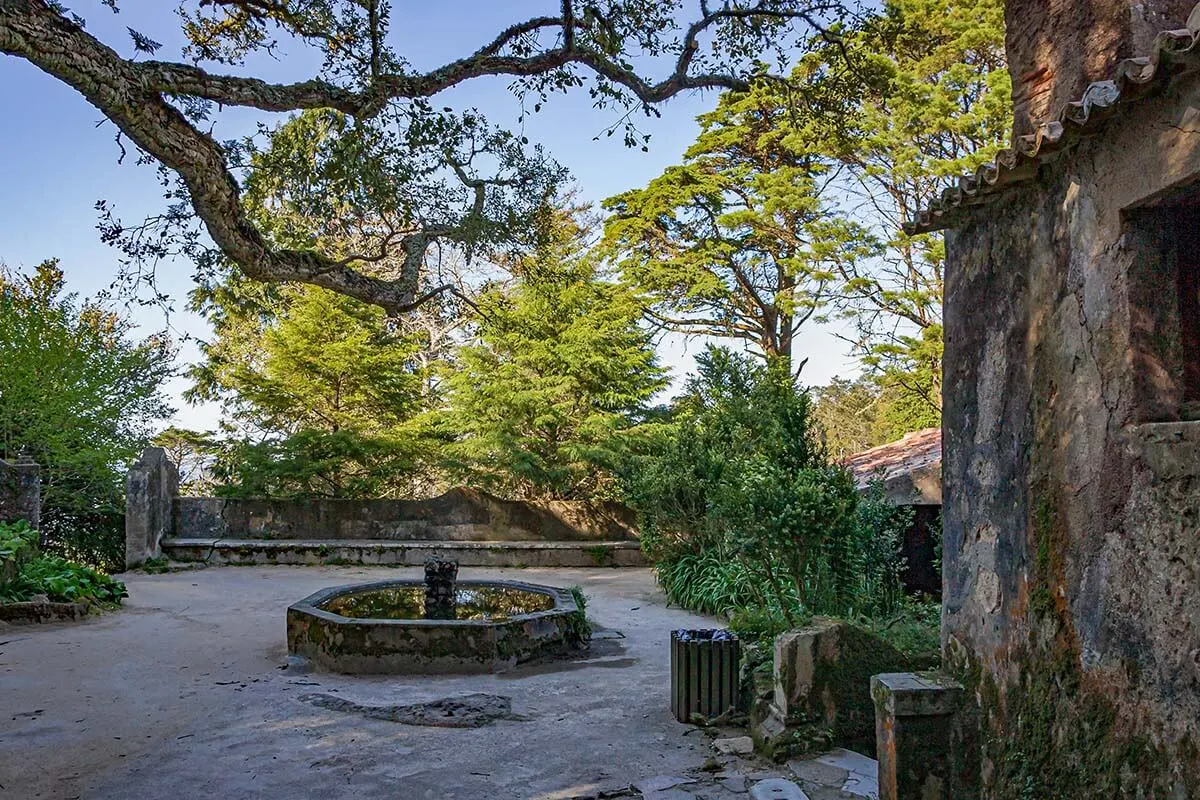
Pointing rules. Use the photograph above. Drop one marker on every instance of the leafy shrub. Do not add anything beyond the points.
(94, 537)
(744, 515)
(59, 579)
(17, 541)
(706, 581)
(579, 628)
(79, 392)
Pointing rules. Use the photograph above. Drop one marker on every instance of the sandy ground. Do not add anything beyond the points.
(182, 694)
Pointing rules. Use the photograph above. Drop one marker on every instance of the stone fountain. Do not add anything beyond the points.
(439, 625)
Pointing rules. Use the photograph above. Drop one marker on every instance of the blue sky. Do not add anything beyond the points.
(57, 157)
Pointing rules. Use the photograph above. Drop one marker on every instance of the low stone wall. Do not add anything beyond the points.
(41, 610)
(458, 515)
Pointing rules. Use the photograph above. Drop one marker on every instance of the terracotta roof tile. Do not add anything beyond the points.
(910, 468)
(1174, 52)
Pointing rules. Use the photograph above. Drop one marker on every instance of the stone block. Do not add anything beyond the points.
(735, 746)
(822, 688)
(914, 728)
(777, 789)
(151, 501)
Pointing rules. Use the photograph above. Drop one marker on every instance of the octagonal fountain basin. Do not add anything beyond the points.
(384, 627)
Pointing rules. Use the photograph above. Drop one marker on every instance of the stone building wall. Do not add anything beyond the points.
(1072, 489)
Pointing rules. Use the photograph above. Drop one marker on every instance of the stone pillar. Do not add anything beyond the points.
(21, 490)
(915, 719)
(151, 498)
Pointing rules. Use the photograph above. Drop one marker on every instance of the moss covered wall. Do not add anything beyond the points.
(1072, 493)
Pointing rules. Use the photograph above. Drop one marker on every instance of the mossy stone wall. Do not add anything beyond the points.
(1071, 488)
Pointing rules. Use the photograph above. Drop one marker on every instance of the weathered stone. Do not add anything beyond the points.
(668, 794)
(429, 646)
(1057, 47)
(1072, 504)
(822, 683)
(465, 711)
(738, 745)
(735, 783)
(815, 771)
(151, 492)
(246, 552)
(39, 610)
(914, 722)
(440, 596)
(461, 514)
(777, 789)
(660, 783)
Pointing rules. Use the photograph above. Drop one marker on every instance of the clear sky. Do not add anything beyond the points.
(58, 157)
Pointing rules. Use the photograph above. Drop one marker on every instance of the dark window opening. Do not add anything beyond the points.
(1187, 260)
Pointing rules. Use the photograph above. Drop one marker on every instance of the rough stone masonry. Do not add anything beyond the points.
(1072, 461)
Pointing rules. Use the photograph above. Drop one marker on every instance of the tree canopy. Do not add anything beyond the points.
(81, 394)
(932, 101)
(542, 403)
(739, 240)
(166, 108)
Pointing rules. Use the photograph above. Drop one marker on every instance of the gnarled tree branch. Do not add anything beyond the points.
(134, 95)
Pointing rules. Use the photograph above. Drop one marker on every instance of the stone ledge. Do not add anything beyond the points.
(35, 612)
(914, 694)
(392, 553)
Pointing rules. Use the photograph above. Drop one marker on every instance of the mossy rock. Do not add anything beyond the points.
(822, 681)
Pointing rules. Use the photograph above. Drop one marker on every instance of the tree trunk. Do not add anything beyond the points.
(1057, 47)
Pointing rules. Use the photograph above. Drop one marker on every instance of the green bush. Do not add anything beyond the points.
(743, 513)
(94, 537)
(59, 579)
(579, 628)
(79, 393)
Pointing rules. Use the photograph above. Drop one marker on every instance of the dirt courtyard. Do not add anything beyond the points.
(184, 694)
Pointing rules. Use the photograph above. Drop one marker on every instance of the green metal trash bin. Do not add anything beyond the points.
(704, 673)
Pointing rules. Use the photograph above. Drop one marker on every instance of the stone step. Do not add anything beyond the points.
(386, 552)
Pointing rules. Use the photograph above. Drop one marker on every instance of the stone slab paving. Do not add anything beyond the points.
(837, 775)
(188, 693)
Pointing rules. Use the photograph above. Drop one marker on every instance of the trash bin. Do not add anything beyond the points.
(704, 673)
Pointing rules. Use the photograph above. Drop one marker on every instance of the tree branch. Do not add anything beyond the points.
(33, 30)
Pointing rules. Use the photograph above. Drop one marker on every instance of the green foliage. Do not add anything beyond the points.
(79, 393)
(326, 392)
(192, 453)
(544, 403)
(320, 361)
(579, 628)
(707, 582)
(156, 566)
(865, 412)
(739, 506)
(18, 543)
(25, 574)
(353, 188)
(928, 99)
(740, 240)
(914, 629)
(315, 463)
